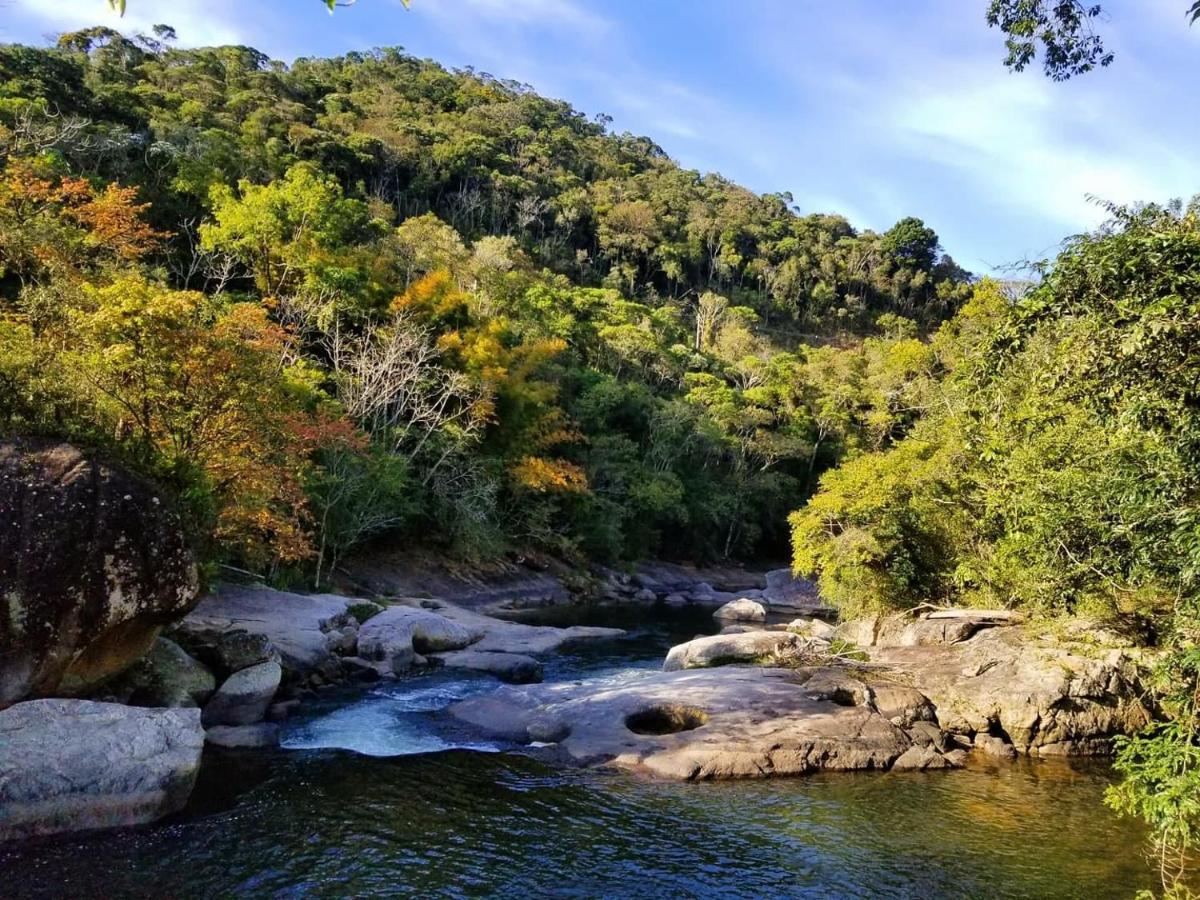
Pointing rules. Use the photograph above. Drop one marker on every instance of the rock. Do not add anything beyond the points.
(645, 595)
(743, 610)
(224, 651)
(1043, 696)
(500, 636)
(784, 591)
(399, 632)
(814, 628)
(361, 669)
(278, 712)
(74, 765)
(238, 737)
(990, 745)
(93, 563)
(294, 624)
(741, 629)
(901, 704)
(244, 697)
(164, 677)
(675, 601)
(690, 725)
(515, 668)
(723, 649)
(919, 758)
(957, 758)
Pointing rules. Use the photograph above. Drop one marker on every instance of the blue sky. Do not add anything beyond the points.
(876, 109)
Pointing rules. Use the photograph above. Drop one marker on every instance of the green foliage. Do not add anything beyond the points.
(1061, 30)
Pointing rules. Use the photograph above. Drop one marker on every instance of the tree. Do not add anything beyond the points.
(1062, 30)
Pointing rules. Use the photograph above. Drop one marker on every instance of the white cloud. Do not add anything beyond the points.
(198, 22)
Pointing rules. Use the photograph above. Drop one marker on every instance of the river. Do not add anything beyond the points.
(377, 794)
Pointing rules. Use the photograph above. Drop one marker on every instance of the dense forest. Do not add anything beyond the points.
(368, 296)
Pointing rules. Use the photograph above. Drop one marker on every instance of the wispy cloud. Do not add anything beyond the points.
(198, 22)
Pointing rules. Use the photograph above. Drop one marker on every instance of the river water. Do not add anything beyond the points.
(378, 794)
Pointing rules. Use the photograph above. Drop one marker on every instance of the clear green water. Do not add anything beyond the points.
(322, 822)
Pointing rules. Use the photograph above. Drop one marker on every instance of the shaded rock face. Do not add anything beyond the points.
(165, 677)
(75, 765)
(92, 564)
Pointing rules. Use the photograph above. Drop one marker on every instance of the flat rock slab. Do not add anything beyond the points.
(515, 668)
(296, 624)
(76, 765)
(500, 636)
(739, 723)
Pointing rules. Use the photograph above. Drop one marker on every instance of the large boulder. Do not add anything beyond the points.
(244, 697)
(74, 765)
(224, 651)
(164, 677)
(92, 564)
(396, 635)
(296, 626)
(726, 649)
(784, 591)
(985, 676)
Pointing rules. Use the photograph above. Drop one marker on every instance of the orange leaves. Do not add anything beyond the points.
(434, 296)
(536, 473)
(64, 226)
(112, 218)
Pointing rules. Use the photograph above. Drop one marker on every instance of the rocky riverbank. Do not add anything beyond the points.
(910, 692)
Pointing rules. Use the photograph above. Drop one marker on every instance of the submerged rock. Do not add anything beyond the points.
(515, 668)
(92, 564)
(74, 765)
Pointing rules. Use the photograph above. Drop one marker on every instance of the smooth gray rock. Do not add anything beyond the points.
(725, 649)
(165, 677)
(731, 723)
(75, 765)
(741, 610)
(398, 633)
(294, 624)
(238, 737)
(515, 668)
(244, 697)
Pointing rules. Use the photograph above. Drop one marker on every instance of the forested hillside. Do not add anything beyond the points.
(368, 296)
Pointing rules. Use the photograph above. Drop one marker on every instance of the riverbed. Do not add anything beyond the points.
(377, 793)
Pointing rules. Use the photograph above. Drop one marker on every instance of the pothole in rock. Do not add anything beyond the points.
(666, 720)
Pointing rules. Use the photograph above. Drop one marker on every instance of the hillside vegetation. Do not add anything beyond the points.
(367, 296)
